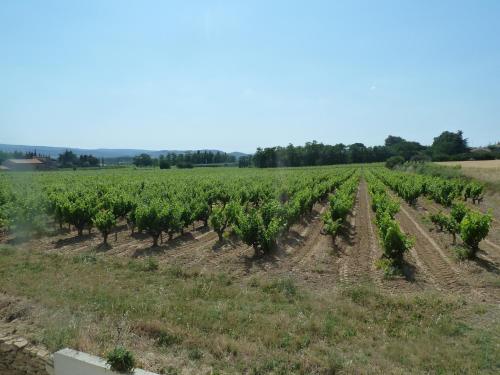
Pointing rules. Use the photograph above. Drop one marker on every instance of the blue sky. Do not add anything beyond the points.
(235, 75)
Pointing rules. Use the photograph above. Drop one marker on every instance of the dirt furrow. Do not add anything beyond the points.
(308, 237)
(361, 255)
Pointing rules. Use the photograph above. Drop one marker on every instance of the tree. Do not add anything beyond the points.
(392, 140)
(164, 163)
(358, 153)
(448, 143)
(143, 160)
(244, 161)
(68, 159)
(88, 161)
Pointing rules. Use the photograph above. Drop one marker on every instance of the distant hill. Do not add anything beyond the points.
(101, 152)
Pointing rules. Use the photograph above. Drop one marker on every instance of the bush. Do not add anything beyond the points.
(121, 360)
(474, 228)
(104, 220)
(394, 161)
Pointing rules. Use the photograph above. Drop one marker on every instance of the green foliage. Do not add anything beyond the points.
(104, 221)
(143, 160)
(260, 228)
(341, 203)
(79, 210)
(474, 191)
(449, 143)
(163, 162)
(394, 242)
(152, 218)
(224, 215)
(121, 360)
(474, 228)
(458, 211)
(331, 226)
(393, 161)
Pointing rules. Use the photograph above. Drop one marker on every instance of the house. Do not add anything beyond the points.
(24, 164)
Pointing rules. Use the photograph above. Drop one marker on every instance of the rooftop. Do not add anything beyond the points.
(24, 161)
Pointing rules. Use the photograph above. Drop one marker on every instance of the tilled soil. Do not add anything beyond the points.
(437, 263)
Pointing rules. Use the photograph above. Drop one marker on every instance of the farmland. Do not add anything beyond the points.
(353, 269)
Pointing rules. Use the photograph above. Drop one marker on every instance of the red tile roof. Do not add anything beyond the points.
(24, 161)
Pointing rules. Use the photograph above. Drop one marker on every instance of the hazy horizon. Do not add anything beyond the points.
(232, 76)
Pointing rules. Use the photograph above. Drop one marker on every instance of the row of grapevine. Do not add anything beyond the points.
(257, 208)
(394, 242)
(341, 204)
(443, 191)
(472, 226)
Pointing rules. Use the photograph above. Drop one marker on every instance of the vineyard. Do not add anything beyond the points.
(319, 229)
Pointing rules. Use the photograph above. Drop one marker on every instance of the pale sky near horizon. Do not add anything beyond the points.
(235, 75)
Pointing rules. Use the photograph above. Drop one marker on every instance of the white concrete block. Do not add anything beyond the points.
(72, 362)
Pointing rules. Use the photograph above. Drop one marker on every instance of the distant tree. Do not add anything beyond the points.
(68, 159)
(407, 149)
(164, 163)
(4, 156)
(88, 161)
(358, 153)
(244, 161)
(142, 160)
(448, 143)
(393, 140)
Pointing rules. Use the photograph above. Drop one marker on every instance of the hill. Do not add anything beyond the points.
(101, 152)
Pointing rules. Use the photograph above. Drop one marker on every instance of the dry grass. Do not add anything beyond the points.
(489, 164)
(484, 170)
(202, 322)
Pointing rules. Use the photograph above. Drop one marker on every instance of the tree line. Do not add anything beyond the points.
(185, 160)
(447, 146)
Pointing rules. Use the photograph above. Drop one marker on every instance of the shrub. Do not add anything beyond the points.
(104, 220)
(474, 191)
(152, 218)
(121, 360)
(474, 228)
(331, 226)
(393, 161)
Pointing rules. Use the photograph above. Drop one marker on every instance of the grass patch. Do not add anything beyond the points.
(211, 320)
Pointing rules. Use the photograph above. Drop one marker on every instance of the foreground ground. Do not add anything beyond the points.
(194, 305)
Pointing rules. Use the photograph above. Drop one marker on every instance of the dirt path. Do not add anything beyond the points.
(357, 262)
